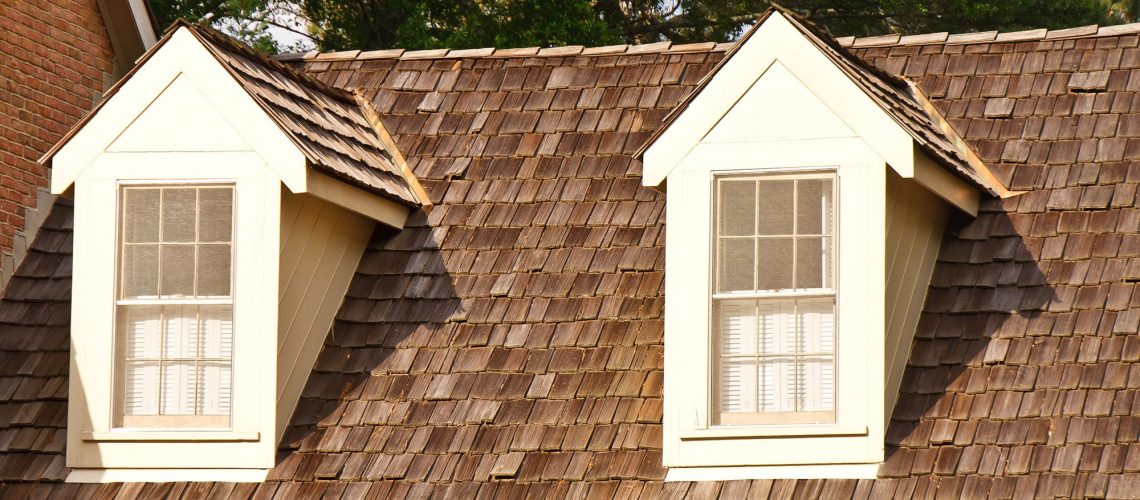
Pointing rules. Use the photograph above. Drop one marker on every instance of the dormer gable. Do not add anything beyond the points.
(196, 79)
(889, 114)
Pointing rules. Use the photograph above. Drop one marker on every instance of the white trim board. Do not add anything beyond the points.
(827, 471)
(166, 475)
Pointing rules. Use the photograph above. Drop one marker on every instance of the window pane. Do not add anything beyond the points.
(140, 392)
(774, 266)
(178, 270)
(140, 326)
(774, 204)
(180, 332)
(215, 222)
(738, 386)
(813, 262)
(738, 327)
(816, 325)
(140, 215)
(738, 208)
(772, 321)
(817, 383)
(736, 264)
(813, 206)
(778, 388)
(178, 207)
(178, 388)
(215, 388)
(217, 329)
(776, 326)
(140, 271)
(214, 270)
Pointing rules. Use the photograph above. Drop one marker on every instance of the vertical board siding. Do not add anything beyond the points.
(321, 245)
(915, 222)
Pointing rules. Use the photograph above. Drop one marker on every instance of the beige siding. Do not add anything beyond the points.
(915, 222)
(321, 245)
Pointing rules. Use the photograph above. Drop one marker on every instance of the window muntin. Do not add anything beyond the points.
(174, 308)
(774, 299)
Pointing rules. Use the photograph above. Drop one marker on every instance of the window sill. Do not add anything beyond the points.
(774, 431)
(170, 436)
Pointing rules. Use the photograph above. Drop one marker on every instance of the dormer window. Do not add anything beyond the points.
(175, 307)
(219, 233)
(774, 300)
(806, 200)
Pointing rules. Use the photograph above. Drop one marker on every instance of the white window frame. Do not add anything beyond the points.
(715, 296)
(96, 440)
(179, 422)
(692, 444)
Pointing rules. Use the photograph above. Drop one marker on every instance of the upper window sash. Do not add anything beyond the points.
(175, 242)
(774, 234)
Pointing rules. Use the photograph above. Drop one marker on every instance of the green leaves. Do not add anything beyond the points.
(458, 24)
(247, 20)
(424, 24)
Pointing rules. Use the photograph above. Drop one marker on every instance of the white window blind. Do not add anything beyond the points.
(175, 306)
(774, 299)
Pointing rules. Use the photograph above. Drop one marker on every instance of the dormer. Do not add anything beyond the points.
(222, 203)
(807, 194)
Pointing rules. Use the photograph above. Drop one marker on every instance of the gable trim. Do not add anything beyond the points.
(185, 57)
(897, 99)
(861, 114)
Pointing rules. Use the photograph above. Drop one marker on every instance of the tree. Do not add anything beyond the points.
(423, 24)
(476, 23)
(854, 17)
(420, 24)
(250, 21)
(1124, 10)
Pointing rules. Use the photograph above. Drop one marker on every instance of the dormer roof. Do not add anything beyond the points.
(333, 128)
(899, 98)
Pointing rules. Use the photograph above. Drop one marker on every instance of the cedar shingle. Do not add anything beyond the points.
(1022, 369)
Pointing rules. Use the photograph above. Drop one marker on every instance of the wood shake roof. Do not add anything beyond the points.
(328, 124)
(509, 341)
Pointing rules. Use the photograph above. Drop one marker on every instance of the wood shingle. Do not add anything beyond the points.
(509, 340)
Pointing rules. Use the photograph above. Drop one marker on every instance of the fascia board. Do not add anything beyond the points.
(949, 187)
(357, 200)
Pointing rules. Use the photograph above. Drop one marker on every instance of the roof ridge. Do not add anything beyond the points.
(888, 40)
(221, 39)
(558, 51)
(946, 38)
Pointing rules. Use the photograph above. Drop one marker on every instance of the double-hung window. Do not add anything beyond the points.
(774, 300)
(174, 306)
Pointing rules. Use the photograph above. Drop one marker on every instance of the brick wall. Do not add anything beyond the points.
(54, 58)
